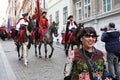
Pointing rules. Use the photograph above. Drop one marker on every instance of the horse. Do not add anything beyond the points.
(74, 41)
(47, 39)
(24, 40)
(3, 35)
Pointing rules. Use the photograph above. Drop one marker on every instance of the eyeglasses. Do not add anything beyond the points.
(90, 35)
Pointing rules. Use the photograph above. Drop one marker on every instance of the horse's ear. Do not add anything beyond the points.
(53, 22)
(82, 24)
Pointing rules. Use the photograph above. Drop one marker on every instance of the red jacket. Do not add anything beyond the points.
(43, 22)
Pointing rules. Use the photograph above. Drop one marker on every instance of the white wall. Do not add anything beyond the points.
(58, 5)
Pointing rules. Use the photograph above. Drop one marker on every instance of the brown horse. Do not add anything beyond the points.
(74, 40)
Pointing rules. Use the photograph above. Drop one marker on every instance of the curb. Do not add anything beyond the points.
(9, 71)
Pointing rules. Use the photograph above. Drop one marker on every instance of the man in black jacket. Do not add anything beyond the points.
(112, 46)
(70, 27)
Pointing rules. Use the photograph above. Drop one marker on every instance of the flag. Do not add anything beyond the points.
(39, 11)
(8, 24)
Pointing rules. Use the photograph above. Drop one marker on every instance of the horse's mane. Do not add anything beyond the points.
(79, 28)
(51, 25)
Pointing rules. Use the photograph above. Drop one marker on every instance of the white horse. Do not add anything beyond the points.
(24, 41)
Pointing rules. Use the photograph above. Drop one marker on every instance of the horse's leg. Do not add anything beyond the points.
(71, 47)
(39, 48)
(45, 46)
(67, 49)
(35, 49)
(51, 45)
(18, 50)
(25, 53)
(22, 52)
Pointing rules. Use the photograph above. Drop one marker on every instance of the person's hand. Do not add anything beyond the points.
(64, 73)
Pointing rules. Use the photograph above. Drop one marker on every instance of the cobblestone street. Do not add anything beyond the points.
(38, 68)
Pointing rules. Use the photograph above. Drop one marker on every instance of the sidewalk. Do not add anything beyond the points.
(6, 72)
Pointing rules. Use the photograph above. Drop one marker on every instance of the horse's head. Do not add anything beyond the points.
(54, 28)
(81, 25)
(79, 28)
(31, 24)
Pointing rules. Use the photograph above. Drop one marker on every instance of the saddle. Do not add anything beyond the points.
(20, 36)
(69, 37)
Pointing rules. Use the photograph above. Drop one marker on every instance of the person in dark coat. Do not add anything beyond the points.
(112, 46)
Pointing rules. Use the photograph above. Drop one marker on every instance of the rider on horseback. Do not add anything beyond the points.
(21, 24)
(70, 28)
(22, 21)
(43, 24)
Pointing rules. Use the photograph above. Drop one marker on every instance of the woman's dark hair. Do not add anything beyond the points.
(87, 30)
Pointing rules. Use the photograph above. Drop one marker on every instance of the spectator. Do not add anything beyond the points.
(112, 46)
(88, 62)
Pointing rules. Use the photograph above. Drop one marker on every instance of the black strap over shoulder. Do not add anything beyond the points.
(87, 60)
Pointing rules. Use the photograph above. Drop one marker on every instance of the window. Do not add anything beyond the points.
(57, 16)
(79, 10)
(50, 19)
(65, 15)
(87, 8)
(107, 5)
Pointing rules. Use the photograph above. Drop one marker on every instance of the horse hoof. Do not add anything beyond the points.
(45, 57)
(50, 56)
(19, 59)
(25, 65)
(40, 56)
(22, 57)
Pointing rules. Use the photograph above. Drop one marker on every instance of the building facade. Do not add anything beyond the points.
(11, 12)
(58, 11)
(97, 13)
(17, 7)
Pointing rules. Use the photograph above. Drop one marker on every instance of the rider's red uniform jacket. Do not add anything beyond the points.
(43, 23)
